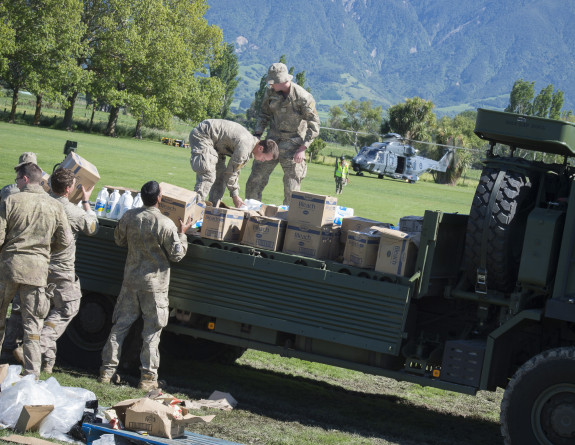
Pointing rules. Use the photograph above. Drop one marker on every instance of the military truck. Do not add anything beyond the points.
(491, 302)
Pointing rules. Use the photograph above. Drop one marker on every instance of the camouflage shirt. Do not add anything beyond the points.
(79, 220)
(32, 224)
(225, 138)
(153, 241)
(291, 117)
(8, 190)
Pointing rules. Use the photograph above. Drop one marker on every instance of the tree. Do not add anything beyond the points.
(542, 102)
(7, 37)
(556, 105)
(521, 97)
(315, 148)
(414, 119)
(356, 117)
(226, 69)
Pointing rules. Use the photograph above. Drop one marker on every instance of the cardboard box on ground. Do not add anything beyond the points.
(86, 174)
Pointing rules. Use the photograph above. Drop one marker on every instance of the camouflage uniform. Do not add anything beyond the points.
(31, 225)
(153, 241)
(63, 282)
(293, 122)
(210, 142)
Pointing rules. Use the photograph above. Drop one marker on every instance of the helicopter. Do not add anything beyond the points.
(394, 158)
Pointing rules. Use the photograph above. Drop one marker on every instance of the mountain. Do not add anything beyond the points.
(460, 54)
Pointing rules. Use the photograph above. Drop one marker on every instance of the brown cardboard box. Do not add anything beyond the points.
(411, 224)
(264, 232)
(273, 211)
(310, 209)
(361, 249)
(358, 224)
(31, 416)
(223, 224)
(3, 371)
(86, 174)
(180, 203)
(396, 254)
(45, 182)
(312, 241)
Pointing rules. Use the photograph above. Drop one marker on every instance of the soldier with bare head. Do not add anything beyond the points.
(290, 112)
(153, 241)
(63, 283)
(32, 225)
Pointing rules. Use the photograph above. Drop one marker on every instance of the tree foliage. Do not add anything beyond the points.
(547, 103)
(414, 119)
(226, 68)
(356, 117)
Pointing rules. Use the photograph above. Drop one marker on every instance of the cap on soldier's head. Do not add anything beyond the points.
(342, 158)
(278, 73)
(25, 157)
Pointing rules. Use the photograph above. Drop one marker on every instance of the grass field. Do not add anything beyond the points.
(281, 400)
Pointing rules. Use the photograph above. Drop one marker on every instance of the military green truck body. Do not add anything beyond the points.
(491, 302)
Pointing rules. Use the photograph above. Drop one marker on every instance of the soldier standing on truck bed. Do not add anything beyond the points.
(153, 241)
(32, 225)
(63, 283)
(294, 124)
(211, 142)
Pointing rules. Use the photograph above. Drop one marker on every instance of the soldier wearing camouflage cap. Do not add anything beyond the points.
(290, 112)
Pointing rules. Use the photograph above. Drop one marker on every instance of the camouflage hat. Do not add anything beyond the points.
(25, 157)
(278, 73)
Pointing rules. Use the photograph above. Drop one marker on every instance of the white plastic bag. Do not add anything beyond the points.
(24, 392)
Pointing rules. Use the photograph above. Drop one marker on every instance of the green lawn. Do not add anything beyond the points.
(130, 163)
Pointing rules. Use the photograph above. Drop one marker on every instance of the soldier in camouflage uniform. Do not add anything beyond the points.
(14, 332)
(153, 241)
(214, 139)
(294, 124)
(32, 224)
(63, 282)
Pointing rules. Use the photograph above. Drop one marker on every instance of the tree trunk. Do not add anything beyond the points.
(111, 128)
(92, 117)
(38, 110)
(69, 112)
(138, 132)
(14, 104)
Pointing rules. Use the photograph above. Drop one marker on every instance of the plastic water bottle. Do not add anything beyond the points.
(112, 203)
(137, 201)
(101, 201)
(125, 203)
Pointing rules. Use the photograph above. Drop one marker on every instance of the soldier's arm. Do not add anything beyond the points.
(2, 222)
(120, 234)
(309, 113)
(63, 236)
(174, 243)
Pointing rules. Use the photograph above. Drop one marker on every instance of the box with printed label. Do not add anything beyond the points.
(86, 175)
(411, 224)
(319, 242)
(45, 182)
(397, 253)
(180, 203)
(314, 210)
(361, 249)
(358, 224)
(264, 232)
(273, 211)
(223, 224)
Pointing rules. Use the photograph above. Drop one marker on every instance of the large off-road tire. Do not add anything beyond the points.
(538, 407)
(190, 348)
(496, 227)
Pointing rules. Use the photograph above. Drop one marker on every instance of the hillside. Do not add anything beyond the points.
(459, 54)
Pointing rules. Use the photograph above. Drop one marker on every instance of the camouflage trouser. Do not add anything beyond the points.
(65, 304)
(34, 306)
(293, 173)
(338, 184)
(14, 330)
(153, 306)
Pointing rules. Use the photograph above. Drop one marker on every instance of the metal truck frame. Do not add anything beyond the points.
(491, 303)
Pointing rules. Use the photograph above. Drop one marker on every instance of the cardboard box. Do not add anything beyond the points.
(31, 417)
(310, 209)
(264, 232)
(3, 371)
(45, 182)
(396, 254)
(358, 224)
(273, 211)
(86, 175)
(319, 242)
(361, 249)
(223, 224)
(411, 224)
(180, 203)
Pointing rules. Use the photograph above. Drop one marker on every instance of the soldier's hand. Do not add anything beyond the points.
(87, 192)
(238, 202)
(185, 227)
(300, 155)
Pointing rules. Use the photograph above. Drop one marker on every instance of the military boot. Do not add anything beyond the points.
(48, 367)
(107, 378)
(18, 354)
(148, 382)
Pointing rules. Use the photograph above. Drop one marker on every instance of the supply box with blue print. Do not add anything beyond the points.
(264, 232)
(223, 223)
(361, 248)
(86, 175)
(310, 209)
(397, 252)
(180, 203)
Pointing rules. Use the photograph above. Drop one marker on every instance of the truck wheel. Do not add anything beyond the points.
(198, 349)
(538, 406)
(505, 228)
(82, 343)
